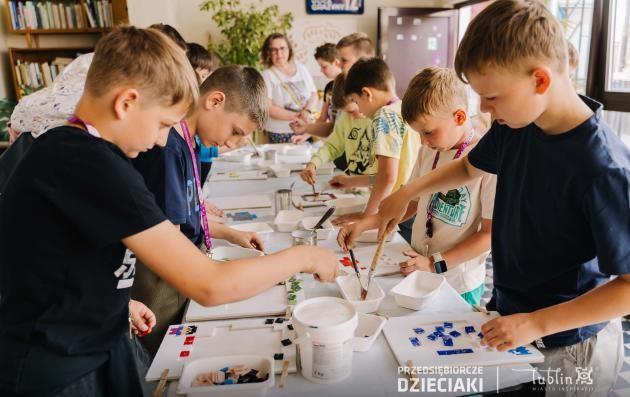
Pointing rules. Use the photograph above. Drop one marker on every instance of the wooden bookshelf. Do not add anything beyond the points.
(34, 53)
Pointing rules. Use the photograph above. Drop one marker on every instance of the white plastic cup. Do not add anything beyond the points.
(325, 327)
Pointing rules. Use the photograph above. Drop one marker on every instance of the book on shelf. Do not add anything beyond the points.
(32, 76)
(28, 15)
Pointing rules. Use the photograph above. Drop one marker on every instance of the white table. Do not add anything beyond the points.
(374, 372)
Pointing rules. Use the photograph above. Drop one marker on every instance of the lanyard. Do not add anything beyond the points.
(392, 100)
(88, 127)
(459, 152)
(204, 216)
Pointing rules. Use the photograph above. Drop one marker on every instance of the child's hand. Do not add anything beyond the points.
(390, 212)
(348, 218)
(308, 174)
(142, 318)
(246, 240)
(212, 209)
(323, 263)
(298, 126)
(298, 139)
(415, 262)
(348, 234)
(341, 181)
(509, 332)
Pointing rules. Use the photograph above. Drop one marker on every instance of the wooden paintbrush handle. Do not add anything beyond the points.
(377, 255)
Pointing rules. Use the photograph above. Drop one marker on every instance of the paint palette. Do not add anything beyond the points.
(308, 199)
(188, 342)
(391, 256)
(272, 302)
(242, 202)
(438, 340)
(237, 176)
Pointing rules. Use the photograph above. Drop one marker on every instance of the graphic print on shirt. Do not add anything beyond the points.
(452, 208)
(192, 198)
(126, 272)
(298, 89)
(362, 158)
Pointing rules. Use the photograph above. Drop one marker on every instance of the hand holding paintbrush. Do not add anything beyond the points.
(356, 271)
(377, 256)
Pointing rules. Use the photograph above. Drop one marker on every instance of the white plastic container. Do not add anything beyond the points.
(368, 330)
(325, 327)
(371, 236)
(325, 169)
(262, 229)
(325, 232)
(230, 253)
(237, 156)
(296, 150)
(280, 170)
(351, 291)
(287, 220)
(193, 368)
(417, 289)
(347, 205)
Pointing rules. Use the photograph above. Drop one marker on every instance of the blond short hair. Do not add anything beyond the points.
(509, 34)
(431, 91)
(574, 57)
(359, 42)
(145, 59)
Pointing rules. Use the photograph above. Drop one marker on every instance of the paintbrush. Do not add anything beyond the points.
(356, 270)
(377, 256)
(256, 152)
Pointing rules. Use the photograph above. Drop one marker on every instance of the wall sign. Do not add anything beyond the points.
(334, 6)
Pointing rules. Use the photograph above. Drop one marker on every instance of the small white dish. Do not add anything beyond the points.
(262, 229)
(416, 290)
(325, 232)
(347, 205)
(351, 291)
(204, 365)
(367, 331)
(237, 156)
(230, 253)
(288, 220)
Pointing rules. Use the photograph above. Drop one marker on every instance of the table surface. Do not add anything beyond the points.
(375, 372)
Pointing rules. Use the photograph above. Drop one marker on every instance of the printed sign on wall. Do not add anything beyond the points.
(334, 6)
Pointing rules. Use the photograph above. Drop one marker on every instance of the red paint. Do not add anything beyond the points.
(189, 340)
(184, 353)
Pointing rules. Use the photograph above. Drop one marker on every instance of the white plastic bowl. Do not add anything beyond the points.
(327, 230)
(193, 368)
(288, 220)
(417, 289)
(262, 229)
(280, 170)
(367, 331)
(231, 253)
(237, 156)
(371, 236)
(347, 205)
(351, 291)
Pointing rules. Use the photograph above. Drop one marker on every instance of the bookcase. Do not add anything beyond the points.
(33, 67)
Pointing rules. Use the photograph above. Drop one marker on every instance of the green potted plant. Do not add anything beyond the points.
(6, 108)
(244, 29)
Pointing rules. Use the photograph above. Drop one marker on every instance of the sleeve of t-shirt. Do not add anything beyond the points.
(267, 78)
(102, 195)
(607, 208)
(175, 190)
(485, 154)
(335, 144)
(416, 172)
(388, 129)
(488, 191)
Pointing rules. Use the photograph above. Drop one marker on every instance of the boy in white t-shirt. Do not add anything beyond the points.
(451, 233)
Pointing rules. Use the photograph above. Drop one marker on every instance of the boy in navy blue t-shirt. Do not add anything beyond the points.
(561, 225)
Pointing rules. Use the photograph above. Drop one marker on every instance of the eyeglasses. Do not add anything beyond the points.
(279, 49)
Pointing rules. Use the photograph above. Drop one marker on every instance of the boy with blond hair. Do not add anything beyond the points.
(451, 233)
(64, 327)
(561, 225)
(370, 84)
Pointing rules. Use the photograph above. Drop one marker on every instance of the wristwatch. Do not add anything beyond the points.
(439, 264)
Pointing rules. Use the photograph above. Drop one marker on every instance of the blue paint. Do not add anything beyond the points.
(418, 331)
(439, 329)
(454, 334)
(456, 351)
(469, 329)
(447, 342)
(520, 351)
(414, 341)
(431, 337)
(448, 325)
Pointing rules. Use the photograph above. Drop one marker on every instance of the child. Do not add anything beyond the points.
(327, 58)
(453, 226)
(202, 61)
(561, 217)
(232, 104)
(351, 136)
(64, 313)
(370, 84)
(349, 49)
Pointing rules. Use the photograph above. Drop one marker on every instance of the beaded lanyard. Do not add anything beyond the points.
(462, 147)
(204, 216)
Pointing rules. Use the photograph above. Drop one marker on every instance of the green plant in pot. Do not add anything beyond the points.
(6, 108)
(245, 29)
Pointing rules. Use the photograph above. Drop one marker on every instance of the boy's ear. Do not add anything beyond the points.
(368, 93)
(542, 79)
(124, 101)
(460, 117)
(213, 100)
